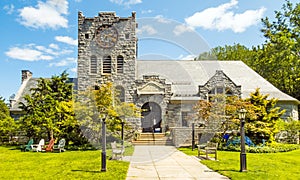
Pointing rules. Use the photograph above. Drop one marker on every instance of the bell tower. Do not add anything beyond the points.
(107, 51)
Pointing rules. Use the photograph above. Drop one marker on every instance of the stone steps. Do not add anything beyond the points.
(152, 139)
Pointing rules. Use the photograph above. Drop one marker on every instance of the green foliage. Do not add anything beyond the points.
(268, 148)
(222, 110)
(281, 58)
(7, 124)
(289, 131)
(261, 121)
(49, 109)
(92, 106)
(234, 52)
(263, 126)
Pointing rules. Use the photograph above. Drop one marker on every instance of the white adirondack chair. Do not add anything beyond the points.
(38, 147)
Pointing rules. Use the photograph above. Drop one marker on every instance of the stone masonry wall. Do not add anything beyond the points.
(182, 136)
(125, 46)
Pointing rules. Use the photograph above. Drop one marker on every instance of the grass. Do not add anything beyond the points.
(15, 164)
(259, 166)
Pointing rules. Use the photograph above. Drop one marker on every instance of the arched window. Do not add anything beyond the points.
(93, 64)
(120, 63)
(106, 64)
(121, 93)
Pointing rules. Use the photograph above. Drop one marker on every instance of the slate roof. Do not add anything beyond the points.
(186, 76)
(23, 90)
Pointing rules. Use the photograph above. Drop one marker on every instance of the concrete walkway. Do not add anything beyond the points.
(166, 162)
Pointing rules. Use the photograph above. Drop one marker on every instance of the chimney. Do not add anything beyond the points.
(26, 74)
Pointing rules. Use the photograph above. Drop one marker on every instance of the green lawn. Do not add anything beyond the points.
(260, 166)
(15, 164)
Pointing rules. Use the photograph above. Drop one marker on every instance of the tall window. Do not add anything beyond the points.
(93, 64)
(106, 64)
(184, 119)
(120, 63)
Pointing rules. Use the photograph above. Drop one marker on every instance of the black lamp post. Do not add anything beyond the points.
(103, 153)
(122, 131)
(243, 164)
(193, 136)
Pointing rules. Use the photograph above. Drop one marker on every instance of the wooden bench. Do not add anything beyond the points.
(208, 148)
(117, 153)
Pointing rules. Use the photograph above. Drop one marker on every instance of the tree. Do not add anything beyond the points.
(103, 103)
(7, 124)
(281, 52)
(235, 52)
(222, 112)
(263, 124)
(261, 120)
(49, 108)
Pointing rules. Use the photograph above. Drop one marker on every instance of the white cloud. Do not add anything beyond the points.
(53, 51)
(9, 8)
(146, 11)
(222, 18)
(126, 3)
(53, 46)
(64, 62)
(146, 29)
(27, 54)
(161, 19)
(49, 14)
(179, 29)
(67, 40)
(33, 52)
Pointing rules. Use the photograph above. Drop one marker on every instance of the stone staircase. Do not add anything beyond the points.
(158, 139)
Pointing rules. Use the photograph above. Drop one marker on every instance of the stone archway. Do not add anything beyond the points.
(151, 117)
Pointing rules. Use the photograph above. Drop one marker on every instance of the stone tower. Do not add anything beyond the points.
(107, 52)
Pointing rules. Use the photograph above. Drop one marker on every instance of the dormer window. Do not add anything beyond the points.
(226, 91)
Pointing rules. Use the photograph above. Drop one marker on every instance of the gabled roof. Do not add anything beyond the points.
(23, 90)
(187, 76)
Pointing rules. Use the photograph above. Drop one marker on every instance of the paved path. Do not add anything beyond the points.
(166, 162)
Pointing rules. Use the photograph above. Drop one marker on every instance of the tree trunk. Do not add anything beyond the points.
(50, 134)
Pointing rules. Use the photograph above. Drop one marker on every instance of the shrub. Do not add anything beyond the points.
(269, 148)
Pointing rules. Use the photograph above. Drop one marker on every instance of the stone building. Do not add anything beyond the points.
(166, 89)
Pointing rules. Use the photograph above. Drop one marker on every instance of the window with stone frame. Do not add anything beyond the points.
(219, 90)
(184, 119)
(106, 64)
(120, 64)
(93, 65)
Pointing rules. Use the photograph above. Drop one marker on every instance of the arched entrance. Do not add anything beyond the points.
(151, 117)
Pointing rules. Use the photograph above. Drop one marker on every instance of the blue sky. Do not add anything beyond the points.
(41, 36)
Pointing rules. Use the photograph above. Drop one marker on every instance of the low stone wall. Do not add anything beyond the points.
(182, 136)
